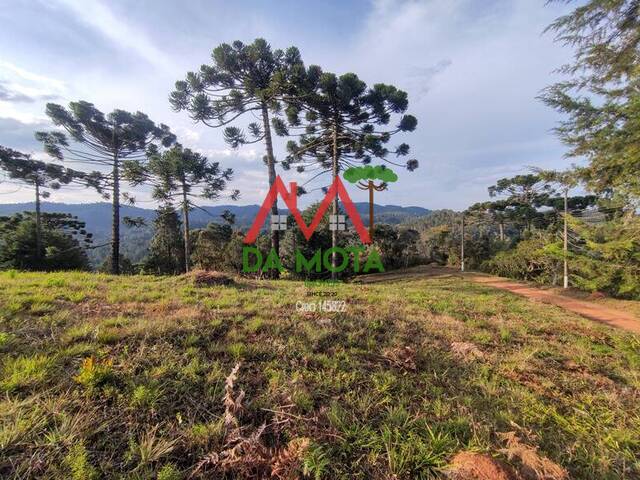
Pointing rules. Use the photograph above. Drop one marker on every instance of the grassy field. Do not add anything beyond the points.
(142, 377)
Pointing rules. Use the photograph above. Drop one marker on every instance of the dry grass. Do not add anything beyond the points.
(143, 377)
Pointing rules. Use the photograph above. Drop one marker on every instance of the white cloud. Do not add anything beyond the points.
(98, 15)
(248, 155)
(186, 135)
(38, 82)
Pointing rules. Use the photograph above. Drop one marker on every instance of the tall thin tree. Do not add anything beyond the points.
(243, 79)
(180, 175)
(345, 124)
(43, 176)
(103, 141)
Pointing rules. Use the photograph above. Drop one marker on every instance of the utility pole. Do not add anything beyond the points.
(462, 246)
(566, 241)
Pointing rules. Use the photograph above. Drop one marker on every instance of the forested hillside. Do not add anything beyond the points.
(135, 240)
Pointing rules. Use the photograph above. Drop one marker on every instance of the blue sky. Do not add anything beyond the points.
(472, 70)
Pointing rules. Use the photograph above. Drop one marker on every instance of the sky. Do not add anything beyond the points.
(472, 70)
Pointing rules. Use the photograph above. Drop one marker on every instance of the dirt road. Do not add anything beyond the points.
(591, 310)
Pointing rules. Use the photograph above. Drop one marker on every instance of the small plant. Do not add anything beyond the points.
(94, 374)
(77, 461)
(237, 350)
(315, 462)
(169, 472)
(25, 371)
(203, 434)
(144, 396)
(5, 339)
(150, 448)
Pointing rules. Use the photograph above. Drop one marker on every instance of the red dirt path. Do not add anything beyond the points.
(593, 311)
(590, 310)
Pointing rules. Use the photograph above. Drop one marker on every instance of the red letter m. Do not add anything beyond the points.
(290, 199)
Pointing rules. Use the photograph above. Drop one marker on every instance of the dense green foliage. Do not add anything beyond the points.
(63, 239)
(600, 95)
(166, 249)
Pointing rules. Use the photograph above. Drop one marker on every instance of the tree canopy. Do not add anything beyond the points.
(243, 79)
(600, 96)
(104, 141)
(369, 172)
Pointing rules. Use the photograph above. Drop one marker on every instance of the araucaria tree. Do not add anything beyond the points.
(524, 195)
(106, 142)
(601, 96)
(180, 175)
(345, 124)
(42, 176)
(242, 79)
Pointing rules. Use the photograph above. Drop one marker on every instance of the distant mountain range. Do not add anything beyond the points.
(97, 217)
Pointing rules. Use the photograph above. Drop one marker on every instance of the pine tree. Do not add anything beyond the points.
(106, 142)
(166, 249)
(243, 79)
(42, 176)
(524, 195)
(601, 95)
(180, 175)
(344, 124)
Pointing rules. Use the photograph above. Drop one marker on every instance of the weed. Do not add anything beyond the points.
(5, 340)
(316, 462)
(77, 460)
(169, 472)
(22, 371)
(95, 374)
(150, 447)
(145, 396)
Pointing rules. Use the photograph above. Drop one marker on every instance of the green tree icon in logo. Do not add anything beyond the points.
(364, 178)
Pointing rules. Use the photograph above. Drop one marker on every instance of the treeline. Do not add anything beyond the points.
(219, 246)
(332, 123)
(521, 234)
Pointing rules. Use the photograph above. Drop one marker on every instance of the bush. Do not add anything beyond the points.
(533, 259)
(60, 249)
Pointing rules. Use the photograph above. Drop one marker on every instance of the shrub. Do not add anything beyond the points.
(24, 371)
(94, 374)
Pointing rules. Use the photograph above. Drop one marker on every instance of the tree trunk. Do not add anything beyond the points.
(565, 248)
(501, 226)
(271, 166)
(115, 212)
(38, 224)
(334, 203)
(185, 214)
(462, 246)
(371, 210)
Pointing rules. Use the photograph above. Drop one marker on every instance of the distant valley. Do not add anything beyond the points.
(97, 217)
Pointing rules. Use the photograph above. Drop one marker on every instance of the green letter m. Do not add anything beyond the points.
(302, 262)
